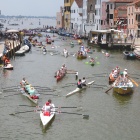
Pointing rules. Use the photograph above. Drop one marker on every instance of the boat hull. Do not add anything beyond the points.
(79, 89)
(8, 67)
(81, 57)
(123, 90)
(46, 120)
(24, 93)
(58, 78)
(129, 55)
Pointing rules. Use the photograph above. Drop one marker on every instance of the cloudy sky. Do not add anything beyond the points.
(30, 7)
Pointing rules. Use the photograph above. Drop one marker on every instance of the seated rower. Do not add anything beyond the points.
(23, 82)
(46, 109)
(84, 82)
(79, 84)
(91, 60)
(31, 91)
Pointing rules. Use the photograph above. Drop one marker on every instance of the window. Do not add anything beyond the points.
(132, 21)
(101, 22)
(110, 6)
(111, 16)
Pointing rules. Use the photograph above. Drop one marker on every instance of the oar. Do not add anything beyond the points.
(55, 107)
(10, 87)
(13, 90)
(84, 116)
(109, 89)
(49, 94)
(11, 95)
(133, 81)
(41, 87)
(23, 112)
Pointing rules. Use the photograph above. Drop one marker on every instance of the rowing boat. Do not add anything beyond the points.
(79, 89)
(8, 67)
(123, 89)
(24, 93)
(46, 119)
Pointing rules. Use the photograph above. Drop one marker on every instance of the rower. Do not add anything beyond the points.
(79, 84)
(64, 67)
(23, 82)
(125, 72)
(76, 75)
(92, 60)
(84, 82)
(47, 108)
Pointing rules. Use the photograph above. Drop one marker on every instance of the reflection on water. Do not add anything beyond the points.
(122, 99)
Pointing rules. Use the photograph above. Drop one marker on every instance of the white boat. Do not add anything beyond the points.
(22, 51)
(79, 89)
(47, 119)
(35, 101)
(8, 67)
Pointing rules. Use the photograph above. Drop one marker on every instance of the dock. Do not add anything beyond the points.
(14, 46)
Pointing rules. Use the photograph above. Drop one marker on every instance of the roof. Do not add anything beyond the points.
(135, 2)
(79, 3)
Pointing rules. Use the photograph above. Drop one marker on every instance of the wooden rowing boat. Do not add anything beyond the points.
(124, 89)
(47, 119)
(25, 93)
(79, 56)
(58, 78)
(79, 89)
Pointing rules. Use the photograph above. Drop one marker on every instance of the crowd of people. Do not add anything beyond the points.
(28, 88)
(122, 79)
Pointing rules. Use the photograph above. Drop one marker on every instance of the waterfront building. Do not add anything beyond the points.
(104, 24)
(114, 14)
(67, 14)
(133, 14)
(60, 18)
(76, 17)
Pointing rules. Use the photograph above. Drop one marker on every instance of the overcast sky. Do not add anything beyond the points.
(30, 7)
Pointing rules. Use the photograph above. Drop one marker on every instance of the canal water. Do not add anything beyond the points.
(111, 116)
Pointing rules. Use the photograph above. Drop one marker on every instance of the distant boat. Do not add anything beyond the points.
(31, 23)
(14, 24)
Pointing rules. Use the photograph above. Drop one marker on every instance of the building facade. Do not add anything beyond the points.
(60, 18)
(67, 14)
(133, 15)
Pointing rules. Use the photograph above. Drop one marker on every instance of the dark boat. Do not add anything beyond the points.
(137, 53)
(129, 55)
